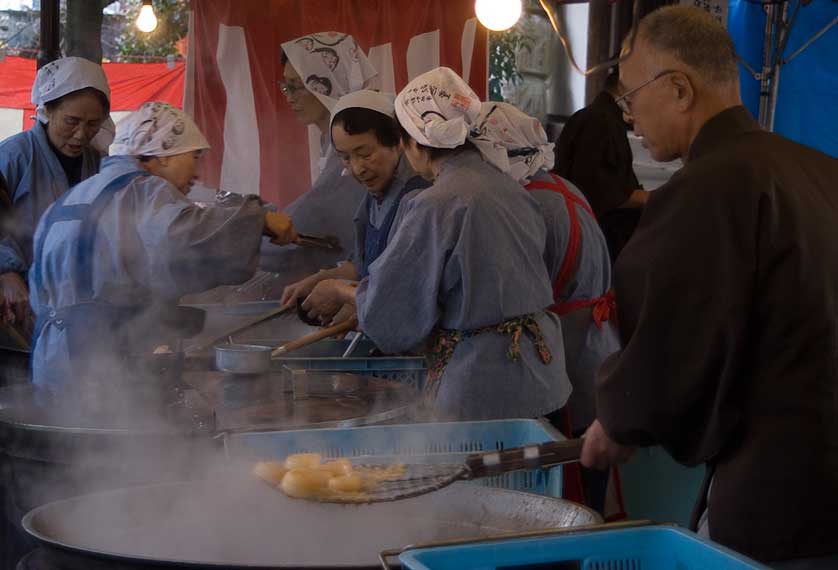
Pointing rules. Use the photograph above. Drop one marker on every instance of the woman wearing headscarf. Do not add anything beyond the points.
(367, 139)
(576, 255)
(463, 274)
(318, 70)
(113, 255)
(72, 101)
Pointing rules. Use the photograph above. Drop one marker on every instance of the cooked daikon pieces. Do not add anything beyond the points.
(270, 471)
(306, 476)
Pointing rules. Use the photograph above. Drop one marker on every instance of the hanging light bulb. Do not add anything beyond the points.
(498, 15)
(147, 21)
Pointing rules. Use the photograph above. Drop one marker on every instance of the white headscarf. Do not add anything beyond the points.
(384, 103)
(330, 64)
(518, 132)
(64, 76)
(440, 110)
(103, 139)
(157, 129)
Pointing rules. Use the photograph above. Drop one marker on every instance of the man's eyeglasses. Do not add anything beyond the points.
(624, 102)
(291, 89)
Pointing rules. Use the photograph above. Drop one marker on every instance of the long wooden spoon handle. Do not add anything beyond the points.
(343, 327)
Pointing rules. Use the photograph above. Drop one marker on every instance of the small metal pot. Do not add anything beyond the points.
(243, 358)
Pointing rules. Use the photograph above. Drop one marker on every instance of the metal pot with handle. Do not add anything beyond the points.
(243, 358)
(254, 359)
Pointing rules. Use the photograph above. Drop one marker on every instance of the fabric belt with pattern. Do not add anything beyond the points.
(444, 342)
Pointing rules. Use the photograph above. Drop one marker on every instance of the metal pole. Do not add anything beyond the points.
(772, 101)
(614, 39)
(50, 48)
(599, 39)
(811, 40)
(765, 77)
(782, 39)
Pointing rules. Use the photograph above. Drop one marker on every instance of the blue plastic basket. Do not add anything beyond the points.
(417, 443)
(326, 356)
(643, 548)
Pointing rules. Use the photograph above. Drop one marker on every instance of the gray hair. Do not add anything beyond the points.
(692, 36)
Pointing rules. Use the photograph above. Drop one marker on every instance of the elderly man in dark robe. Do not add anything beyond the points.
(727, 301)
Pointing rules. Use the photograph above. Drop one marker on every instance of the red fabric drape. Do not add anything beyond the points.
(283, 152)
(132, 84)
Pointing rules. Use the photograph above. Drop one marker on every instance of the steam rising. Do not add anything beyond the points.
(227, 516)
(124, 428)
(233, 519)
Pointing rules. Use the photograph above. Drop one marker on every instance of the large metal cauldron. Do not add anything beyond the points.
(14, 366)
(50, 452)
(54, 448)
(238, 522)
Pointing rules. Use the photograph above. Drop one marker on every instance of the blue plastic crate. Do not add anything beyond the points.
(326, 356)
(643, 548)
(417, 443)
(377, 368)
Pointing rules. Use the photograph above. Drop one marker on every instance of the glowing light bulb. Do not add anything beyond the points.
(498, 15)
(147, 21)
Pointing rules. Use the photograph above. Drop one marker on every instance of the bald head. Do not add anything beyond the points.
(692, 37)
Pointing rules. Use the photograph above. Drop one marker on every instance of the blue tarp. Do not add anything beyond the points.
(807, 101)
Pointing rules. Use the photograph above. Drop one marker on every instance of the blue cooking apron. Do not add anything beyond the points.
(375, 239)
(86, 314)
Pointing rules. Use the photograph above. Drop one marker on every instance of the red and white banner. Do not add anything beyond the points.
(132, 84)
(257, 144)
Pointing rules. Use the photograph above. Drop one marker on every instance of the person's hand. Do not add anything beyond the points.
(280, 227)
(637, 199)
(327, 298)
(14, 300)
(346, 312)
(299, 290)
(600, 451)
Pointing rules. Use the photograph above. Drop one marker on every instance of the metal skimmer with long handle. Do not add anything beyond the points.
(419, 479)
(326, 242)
(208, 342)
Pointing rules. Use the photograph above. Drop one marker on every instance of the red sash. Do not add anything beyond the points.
(603, 307)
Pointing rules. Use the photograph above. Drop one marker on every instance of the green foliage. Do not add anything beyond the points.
(503, 46)
(172, 25)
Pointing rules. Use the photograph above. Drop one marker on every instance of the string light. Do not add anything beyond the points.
(498, 15)
(147, 21)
